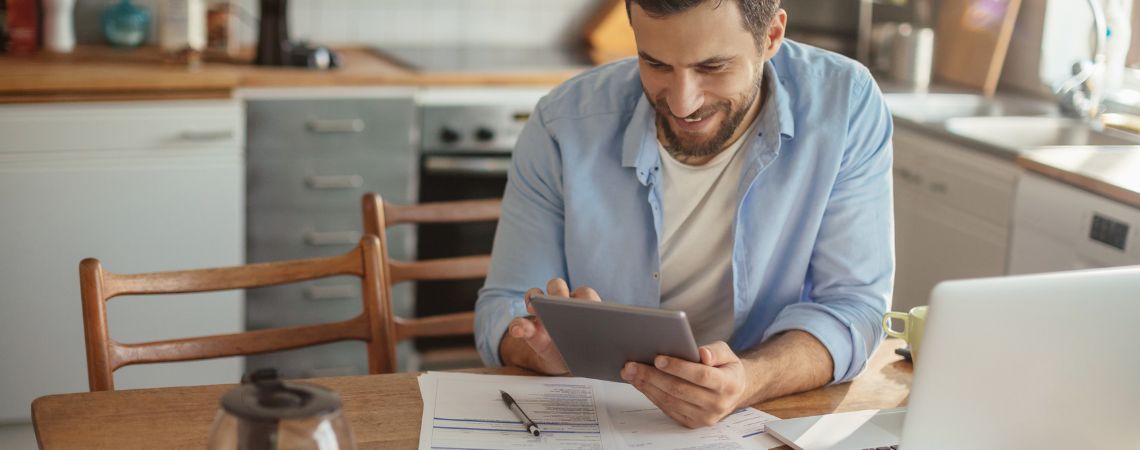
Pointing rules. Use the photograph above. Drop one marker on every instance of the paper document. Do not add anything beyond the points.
(466, 411)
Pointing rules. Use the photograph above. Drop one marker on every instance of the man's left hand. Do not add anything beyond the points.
(693, 394)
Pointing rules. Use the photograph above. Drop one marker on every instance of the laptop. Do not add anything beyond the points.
(1022, 362)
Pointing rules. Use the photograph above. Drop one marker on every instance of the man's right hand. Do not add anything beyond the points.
(527, 344)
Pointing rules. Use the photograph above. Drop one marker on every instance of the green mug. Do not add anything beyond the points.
(913, 323)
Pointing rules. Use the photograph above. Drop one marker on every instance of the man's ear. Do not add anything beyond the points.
(775, 35)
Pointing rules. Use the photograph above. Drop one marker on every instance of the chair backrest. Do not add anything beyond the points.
(378, 215)
(372, 325)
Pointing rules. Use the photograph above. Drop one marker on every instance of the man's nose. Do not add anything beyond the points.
(685, 97)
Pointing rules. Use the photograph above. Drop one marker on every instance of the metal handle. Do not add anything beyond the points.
(475, 165)
(330, 126)
(334, 181)
(330, 292)
(332, 237)
(206, 135)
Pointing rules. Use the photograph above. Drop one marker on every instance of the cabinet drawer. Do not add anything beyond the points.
(276, 235)
(121, 126)
(336, 127)
(324, 184)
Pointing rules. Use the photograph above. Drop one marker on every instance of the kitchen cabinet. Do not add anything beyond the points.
(952, 214)
(312, 154)
(143, 186)
(1060, 227)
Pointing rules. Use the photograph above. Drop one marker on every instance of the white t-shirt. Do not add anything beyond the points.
(699, 208)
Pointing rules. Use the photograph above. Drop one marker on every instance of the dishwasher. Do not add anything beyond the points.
(1059, 227)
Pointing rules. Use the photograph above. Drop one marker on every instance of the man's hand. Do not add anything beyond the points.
(700, 394)
(693, 394)
(527, 344)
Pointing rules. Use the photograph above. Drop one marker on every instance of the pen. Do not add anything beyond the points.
(531, 427)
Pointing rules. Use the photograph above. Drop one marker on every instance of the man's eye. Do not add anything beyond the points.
(712, 68)
(656, 65)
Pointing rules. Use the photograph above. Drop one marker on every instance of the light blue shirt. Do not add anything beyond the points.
(813, 246)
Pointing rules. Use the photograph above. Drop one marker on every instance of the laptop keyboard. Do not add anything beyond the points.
(889, 447)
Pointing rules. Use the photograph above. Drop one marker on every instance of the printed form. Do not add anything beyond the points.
(466, 411)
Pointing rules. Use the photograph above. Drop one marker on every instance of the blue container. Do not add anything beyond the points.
(126, 25)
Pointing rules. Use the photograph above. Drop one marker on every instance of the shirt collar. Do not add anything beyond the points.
(639, 143)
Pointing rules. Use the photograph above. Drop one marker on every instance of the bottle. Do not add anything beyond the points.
(182, 25)
(125, 25)
(23, 26)
(3, 26)
(59, 25)
(1117, 14)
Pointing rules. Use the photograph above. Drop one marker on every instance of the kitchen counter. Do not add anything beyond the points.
(1112, 172)
(95, 73)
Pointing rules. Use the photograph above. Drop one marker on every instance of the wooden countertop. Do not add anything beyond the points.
(1112, 172)
(383, 410)
(104, 73)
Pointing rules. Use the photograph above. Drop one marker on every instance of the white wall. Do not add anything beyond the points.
(401, 22)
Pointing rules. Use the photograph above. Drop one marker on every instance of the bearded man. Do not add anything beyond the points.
(726, 172)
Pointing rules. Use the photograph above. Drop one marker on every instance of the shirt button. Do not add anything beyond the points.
(656, 275)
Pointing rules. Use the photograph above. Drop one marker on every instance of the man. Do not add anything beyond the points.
(727, 172)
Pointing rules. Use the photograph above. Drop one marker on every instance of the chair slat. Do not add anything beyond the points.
(443, 325)
(443, 212)
(234, 344)
(458, 268)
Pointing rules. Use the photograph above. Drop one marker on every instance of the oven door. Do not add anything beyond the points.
(446, 177)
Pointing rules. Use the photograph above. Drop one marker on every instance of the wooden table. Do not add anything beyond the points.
(383, 410)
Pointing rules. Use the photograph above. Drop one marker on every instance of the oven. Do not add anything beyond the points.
(466, 139)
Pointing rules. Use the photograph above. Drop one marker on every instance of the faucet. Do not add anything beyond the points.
(1081, 95)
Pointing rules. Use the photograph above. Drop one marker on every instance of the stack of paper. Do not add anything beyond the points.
(466, 411)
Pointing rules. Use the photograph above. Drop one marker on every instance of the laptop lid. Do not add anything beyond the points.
(1030, 362)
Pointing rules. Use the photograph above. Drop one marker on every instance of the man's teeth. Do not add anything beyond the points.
(692, 120)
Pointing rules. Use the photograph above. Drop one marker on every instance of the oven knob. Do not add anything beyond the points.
(484, 134)
(448, 135)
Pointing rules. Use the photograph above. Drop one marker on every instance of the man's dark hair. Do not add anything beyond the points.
(757, 14)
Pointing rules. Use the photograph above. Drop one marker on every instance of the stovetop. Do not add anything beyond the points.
(486, 59)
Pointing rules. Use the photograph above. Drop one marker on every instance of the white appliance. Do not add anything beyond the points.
(1060, 227)
(147, 186)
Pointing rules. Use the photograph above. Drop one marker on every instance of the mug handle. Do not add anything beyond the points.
(887, 323)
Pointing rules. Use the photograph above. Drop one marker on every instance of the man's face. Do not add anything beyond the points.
(702, 71)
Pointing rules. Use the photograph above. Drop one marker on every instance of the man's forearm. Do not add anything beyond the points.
(793, 361)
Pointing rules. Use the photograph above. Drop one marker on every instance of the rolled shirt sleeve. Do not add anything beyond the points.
(528, 248)
(851, 271)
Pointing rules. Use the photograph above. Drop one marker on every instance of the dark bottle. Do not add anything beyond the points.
(273, 47)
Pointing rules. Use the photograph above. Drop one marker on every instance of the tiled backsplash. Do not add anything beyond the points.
(521, 23)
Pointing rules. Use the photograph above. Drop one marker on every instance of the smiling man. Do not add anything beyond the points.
(728, 173)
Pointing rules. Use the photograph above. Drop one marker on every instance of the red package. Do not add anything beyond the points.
(23, 26)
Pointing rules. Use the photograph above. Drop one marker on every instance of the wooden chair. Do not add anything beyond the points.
(105, 355)
(379, 215)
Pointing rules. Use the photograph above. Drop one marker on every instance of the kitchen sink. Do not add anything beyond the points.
(926, 108)
(1017, 133)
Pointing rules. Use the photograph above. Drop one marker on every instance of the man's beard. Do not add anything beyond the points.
(682, 150)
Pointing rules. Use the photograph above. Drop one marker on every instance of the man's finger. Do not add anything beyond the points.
(530, 293)
(558, 287)
(521, 328)
(717, 354)
(696, 373)
(682, 412)
(682, 389)
(587, 293)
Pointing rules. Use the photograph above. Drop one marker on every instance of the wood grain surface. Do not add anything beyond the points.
(383, 410)
(104, 73)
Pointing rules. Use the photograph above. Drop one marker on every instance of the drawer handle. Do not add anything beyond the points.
(318, 238)
(334, 181)
(206, 135)
(336, 126)
(938, 187)
(330, 292)
(909, 176)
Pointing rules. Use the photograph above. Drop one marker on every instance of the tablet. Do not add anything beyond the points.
(597, 339)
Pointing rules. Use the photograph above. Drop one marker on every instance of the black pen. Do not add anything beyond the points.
(531, 427)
